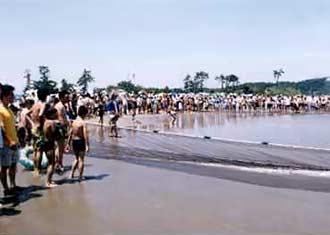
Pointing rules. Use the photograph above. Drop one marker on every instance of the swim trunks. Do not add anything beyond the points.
(47, 145)
(61, 131)
(79, 145)
(38, 137)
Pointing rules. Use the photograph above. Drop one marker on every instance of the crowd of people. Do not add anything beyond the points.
(43, 125)
(52, 124)
(150, 103)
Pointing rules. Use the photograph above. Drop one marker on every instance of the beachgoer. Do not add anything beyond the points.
(172, 115)
(38, 119)
(79, 141)
(62, 118)
(1, 139)
(101, 112)
(10, 154)
(25, 124)
(112, 108)
(51, 134)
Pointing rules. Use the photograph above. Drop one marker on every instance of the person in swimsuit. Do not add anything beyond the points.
(172, 115)
(101, 112)
(48, 143)
(62, 118)
(37, 116)
(79, 141)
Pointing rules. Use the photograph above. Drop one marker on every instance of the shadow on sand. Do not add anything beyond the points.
(66, 168)
(8, 204)
(85, 178)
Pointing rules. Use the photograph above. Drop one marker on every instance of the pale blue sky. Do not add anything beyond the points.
(163, 40)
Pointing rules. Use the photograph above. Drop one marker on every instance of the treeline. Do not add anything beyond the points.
(230, 84)
(45, 82)
(130, 87)
(316, 86)
(191, 84)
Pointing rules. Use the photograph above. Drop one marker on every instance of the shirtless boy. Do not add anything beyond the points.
(79, 140)
(48, 144)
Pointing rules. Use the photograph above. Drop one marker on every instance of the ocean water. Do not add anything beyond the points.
(309, 130)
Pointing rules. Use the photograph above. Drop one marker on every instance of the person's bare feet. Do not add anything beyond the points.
(51, 185)
(36, 173)
(81, 178)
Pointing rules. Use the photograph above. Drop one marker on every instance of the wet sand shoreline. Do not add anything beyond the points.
(121, 197)
(128, 193)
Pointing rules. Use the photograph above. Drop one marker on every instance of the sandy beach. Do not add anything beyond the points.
(146, 196)
(215, 117)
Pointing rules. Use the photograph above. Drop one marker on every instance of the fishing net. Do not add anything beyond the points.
(176, 147)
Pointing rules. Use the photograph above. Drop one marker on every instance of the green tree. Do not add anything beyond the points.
(84, 80)
(277, 74)
(66, 86)
(198, 81)
(44, 82)
(316, 86)
(188, 84)
(98, 90)
(167, 89)
(128, 86)
(110, 88)
(233, 80)
(221, 79)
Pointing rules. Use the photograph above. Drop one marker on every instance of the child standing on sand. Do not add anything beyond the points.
(79, 141)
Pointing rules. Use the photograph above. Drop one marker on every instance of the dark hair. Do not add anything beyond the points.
(6, 90)
(29, 102)
(82, 111)
(50, 112)
(62, 94)
(56, 100)
(42, 94)
(13, 108)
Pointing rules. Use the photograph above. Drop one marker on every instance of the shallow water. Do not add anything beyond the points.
(300, 129)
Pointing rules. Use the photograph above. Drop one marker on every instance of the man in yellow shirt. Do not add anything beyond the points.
(9, 156)
(1, 139)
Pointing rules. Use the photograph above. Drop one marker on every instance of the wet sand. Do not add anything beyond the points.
(126, 194)
(125, 198)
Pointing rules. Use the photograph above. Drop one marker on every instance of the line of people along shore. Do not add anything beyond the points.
(150, 103)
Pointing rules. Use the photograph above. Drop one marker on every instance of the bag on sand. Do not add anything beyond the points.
(26, 161)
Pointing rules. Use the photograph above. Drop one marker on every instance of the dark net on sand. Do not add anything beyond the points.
(168, 147)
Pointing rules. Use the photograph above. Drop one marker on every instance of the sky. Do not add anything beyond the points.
(161, 41)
